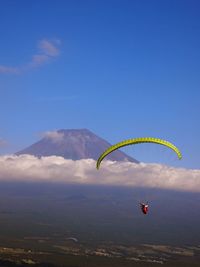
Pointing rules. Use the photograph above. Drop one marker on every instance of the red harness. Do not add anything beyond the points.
(144, 208)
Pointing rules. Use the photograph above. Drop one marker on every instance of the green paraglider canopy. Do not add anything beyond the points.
(138, 141)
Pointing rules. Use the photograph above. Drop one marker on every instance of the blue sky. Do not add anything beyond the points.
(122, 69)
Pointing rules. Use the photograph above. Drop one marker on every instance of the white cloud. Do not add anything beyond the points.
(38, 60)
(47, 49)
(58, 169)
(54, 136)
(5, 69)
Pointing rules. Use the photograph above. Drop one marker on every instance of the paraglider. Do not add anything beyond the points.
(138, 141)
(144, 207)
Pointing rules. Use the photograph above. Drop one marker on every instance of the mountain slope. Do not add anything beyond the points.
(73, 144)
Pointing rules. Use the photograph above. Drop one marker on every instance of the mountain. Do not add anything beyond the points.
(73, 144)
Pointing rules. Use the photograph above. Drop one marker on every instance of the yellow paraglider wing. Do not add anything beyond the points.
(138, 141)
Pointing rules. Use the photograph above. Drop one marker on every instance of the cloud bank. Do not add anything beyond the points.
(46, 51)
(57, 169)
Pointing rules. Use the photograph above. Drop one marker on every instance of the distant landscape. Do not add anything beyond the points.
(39, 222)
